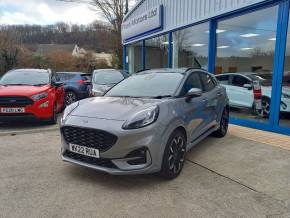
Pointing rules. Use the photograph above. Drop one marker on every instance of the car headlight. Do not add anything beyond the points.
(142, 118)
(69, 109)
(39, 96)
(284, 95)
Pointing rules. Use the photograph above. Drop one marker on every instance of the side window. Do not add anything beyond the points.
(193, 81)
(207, 81)
(224, 79)
(240, 81)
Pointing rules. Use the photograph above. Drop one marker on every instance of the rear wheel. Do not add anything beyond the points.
(70, 97)
(224, 124)
(174, 155)
(53, 119)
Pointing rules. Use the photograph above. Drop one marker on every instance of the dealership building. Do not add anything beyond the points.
(240, 40)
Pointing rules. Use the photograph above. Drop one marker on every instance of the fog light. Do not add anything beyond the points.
(45, 104)
(138, 157)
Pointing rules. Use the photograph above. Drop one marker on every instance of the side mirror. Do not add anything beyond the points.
(248, 86)
(194, 92)
(57, 84)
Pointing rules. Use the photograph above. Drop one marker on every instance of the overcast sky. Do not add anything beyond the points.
(44, 12)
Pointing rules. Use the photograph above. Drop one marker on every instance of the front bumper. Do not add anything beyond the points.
(32, 112)
(119, 159)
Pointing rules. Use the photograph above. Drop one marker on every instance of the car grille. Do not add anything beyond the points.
(87, 137)
(102, 162)
(13, 101)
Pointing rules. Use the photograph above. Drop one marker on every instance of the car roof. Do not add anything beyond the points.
(171, 70)
(30, 70)
(80, 73)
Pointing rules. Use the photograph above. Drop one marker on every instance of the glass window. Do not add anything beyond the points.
(246, 45)
(157, 52)
(207, 82)
(190, 47)
(240, 81)
(285, 95)
(193, 81)
(148, 85)
(25, 77)
(134, 56)
(107, 77)
(223, 79)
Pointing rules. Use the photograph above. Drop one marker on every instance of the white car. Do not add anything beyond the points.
(239, 87)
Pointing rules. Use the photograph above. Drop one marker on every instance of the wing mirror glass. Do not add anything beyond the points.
(248, 86)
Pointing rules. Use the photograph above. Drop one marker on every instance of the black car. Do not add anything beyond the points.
(77, 86)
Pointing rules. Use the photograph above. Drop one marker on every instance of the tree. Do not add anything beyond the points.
(10, 47)
(113, 11)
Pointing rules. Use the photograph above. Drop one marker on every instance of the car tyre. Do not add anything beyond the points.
(70, 97)
(53, 119)
(174, 155)
(224, 124)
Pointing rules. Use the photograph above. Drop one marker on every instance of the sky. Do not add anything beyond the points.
(45, 12)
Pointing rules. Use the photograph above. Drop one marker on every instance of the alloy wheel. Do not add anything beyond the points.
(70, 98)
(176, 154)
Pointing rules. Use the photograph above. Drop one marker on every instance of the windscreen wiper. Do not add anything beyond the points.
(162, 96)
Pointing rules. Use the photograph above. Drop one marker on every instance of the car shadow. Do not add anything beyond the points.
(127, 182)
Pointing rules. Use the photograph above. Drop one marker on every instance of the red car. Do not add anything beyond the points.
(30, 94)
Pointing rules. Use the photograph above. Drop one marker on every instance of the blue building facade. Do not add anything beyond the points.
(240, 41)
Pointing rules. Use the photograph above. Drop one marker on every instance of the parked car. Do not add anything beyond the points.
(77, 86)
(105, 79)
(145, 123)
(239, 88)
(30, 94)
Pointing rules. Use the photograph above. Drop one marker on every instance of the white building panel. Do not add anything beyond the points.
(178, 13)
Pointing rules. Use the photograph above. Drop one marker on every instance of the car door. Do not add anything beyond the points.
(239, 95)
(59, 91)
(193, 109)
(212, 95)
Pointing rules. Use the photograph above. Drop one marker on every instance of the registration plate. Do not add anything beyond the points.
(13, 110)
(91, 152)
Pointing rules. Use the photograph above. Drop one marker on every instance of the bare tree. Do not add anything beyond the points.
(113, 11)
(10, 47)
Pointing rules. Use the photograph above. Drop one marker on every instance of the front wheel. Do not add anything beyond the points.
(174, 155)
(224, 125)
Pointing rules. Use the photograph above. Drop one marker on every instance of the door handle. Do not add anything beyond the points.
(219, 93)
(204, 100)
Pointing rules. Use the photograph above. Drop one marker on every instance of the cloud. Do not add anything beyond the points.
(44, 12)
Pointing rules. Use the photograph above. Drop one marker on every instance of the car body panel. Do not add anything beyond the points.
(34, 110)
(196, 117)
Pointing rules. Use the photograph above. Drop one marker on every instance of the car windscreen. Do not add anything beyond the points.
(147, 85)
(107, 77)
(25, 78)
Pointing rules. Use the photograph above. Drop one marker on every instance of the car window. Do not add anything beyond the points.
(86, 77)
(147, 85)
(207, 81)
(240, 81)
(107, 77)
(193, 81)
(25, 77)
(65, 76)
(224, 79)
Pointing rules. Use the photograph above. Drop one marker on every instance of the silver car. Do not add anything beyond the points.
(146, 123)
(105, 79)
